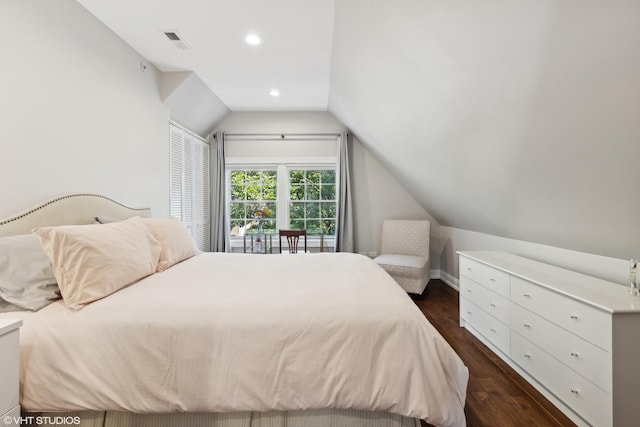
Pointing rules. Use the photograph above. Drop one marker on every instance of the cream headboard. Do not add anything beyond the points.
(73, 209)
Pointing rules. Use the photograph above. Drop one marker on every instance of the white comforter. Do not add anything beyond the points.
(231, 332)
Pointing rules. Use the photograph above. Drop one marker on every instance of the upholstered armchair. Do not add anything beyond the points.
(404, 253)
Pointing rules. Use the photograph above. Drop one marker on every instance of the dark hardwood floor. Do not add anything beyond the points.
(496, 396)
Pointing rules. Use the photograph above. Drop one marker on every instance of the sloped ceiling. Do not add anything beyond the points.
(517, 119)
(191, 103)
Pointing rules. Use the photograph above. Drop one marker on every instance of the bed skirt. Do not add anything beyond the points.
(309, 418)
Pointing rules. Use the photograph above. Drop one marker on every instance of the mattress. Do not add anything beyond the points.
(225, 333)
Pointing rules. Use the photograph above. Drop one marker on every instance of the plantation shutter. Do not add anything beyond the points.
(189, 164)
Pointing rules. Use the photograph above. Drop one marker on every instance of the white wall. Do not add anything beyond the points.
(377, 194)
(455, 239)
(78, 113)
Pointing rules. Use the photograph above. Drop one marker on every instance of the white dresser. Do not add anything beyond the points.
(9, 371)
(574, 337)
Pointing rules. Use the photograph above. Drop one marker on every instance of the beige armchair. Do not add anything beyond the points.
(404, 253)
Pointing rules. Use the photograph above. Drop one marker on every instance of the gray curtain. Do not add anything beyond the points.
(345, 232)
(219, 235)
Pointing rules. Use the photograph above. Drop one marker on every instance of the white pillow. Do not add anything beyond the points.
(173, 236)
(93, 261)
(26, 275)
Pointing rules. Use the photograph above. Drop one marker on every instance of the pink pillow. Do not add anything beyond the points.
(174, 238)
(93, 261)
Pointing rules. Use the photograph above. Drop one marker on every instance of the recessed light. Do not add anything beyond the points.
(253, 39)
(274, 92)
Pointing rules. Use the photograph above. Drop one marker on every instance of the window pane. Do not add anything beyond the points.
(236, 226)
(237, 192)
(296, 192)
(296, 210)
(328, 210)
(313, 192)
(296, 177)
(313, 227)
(312, 210)
(269, 226)
(328, 226)
(269, 177)
(328, 177)
(237, 177)
(313, 177)
(271, 209)
(269, 192)
(328, 192)
(297, 224)
(253, 192)
(253, 177)
(252, 208)
(236, 211)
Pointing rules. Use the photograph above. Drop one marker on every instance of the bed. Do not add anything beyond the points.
(237, 340)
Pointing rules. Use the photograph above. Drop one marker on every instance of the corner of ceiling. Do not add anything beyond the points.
(191, 102)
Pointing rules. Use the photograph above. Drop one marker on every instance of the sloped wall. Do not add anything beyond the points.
(513, 119)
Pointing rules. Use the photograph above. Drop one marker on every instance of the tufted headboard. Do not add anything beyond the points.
(72, 209)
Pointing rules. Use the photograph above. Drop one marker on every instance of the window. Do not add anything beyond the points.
(312, 195)
(266, 198)
(253, 207)
(283, 181)
(189, 183)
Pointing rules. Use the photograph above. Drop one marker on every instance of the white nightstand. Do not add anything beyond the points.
(9, 371)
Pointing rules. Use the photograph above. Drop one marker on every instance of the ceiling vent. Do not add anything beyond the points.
(175, 38)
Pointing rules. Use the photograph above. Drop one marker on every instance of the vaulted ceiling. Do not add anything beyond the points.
(517, 119)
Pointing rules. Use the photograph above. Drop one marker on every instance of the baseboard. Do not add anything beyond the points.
(450, 280)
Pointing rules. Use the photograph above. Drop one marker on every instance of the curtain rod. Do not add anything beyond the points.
(280, 135)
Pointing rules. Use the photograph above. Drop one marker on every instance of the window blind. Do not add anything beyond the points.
(189, 171)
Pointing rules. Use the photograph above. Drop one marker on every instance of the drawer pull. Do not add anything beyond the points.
(469, 269)
(492, 304)
(574, 354)
(527, 356)
(491, 279)
(527, 295)
(469, 290)
(575, 391)
(526, 325)
(493, 330)
(469, 313)
(574, 317)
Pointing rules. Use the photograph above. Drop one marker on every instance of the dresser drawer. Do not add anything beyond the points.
(489, 277)
(491, 328)
(592, 403)
(588, 360)
(492, 303)
(581, 319)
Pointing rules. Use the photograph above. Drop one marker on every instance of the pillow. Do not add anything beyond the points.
(26, 275)
(93, 261)
(173, 236)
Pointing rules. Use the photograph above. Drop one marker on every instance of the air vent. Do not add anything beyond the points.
(176, 39)
(172, 36)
